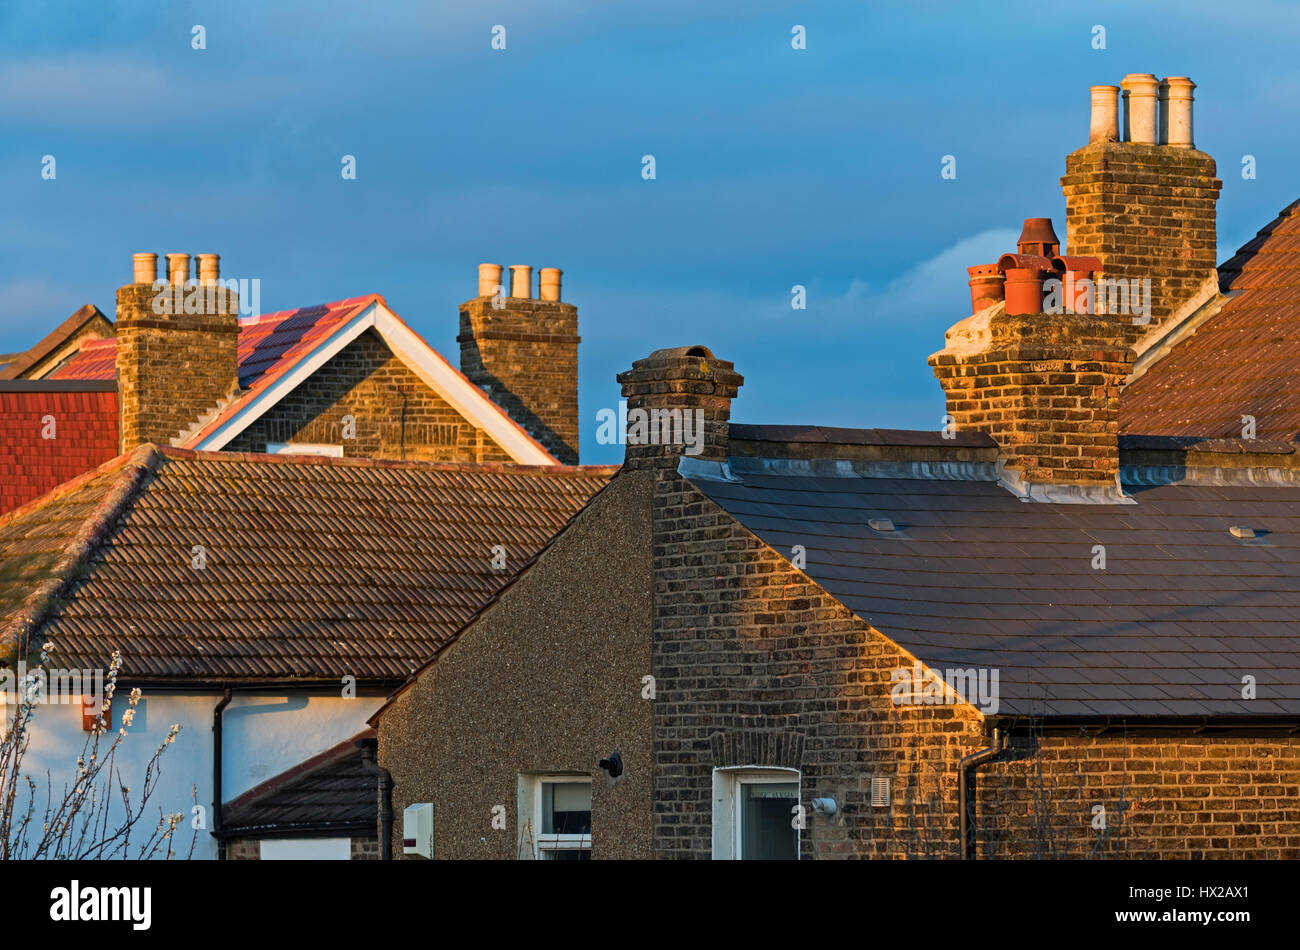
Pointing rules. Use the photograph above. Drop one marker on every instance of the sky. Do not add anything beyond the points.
(774, 166)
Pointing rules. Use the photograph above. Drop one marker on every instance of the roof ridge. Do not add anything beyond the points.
(136, 468)
(308, 766)
(511, 468)
(252, 321)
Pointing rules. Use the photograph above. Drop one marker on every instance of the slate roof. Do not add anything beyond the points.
(330, 792)
(973, 577)
(314, 567)
(1245, 360)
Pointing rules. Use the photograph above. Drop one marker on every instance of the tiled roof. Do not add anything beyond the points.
(54, 340)
(85, 435)
(1243, 361)
(313, 567)
(972, 577)
(268, 344)
(330, 792)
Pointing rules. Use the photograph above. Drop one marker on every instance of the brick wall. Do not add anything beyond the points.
(1046, 388)
(243, 849)
(1148, 211)
(1189, 797)
(525, 357)
(751, 654)
(397, 415)
(365, 849)
(172, 369)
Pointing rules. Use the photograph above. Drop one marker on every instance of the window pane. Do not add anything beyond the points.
(566, 808)
(767, 821)
(566, 854)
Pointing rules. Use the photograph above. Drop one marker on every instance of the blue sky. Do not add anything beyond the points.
(775, 167)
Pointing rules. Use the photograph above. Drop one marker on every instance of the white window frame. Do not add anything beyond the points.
(530, 811)
(305, 448)
(727, 812)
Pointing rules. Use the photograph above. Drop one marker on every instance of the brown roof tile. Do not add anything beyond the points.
(314, 567)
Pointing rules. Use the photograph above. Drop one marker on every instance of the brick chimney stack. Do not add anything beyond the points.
(678, 402)
(523, 352)
(1145, 205)
(177, 348)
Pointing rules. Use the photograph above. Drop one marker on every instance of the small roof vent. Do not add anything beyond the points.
(879, 791)
(1242, 531)
(881, 524)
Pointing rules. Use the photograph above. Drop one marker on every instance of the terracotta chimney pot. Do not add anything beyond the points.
(986, 286)
(1104, 126)
(521, 281)
(1140, 93)
(549, 283)
(145, 266)
(489, 279)
(1024, 290)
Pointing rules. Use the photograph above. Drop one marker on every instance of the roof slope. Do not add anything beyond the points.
(1243, 361)
(330, 792)
(311, 567)
(277, 350)
(973, 577)
(60, 336)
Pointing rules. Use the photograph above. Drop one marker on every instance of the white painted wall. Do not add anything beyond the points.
(263, 734)
(306, 849)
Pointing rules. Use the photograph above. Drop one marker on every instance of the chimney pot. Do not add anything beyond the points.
(1024, 290)
(209, 269)
(521, 281)
(986, 286)
(178, 268)
(1176, 115)
(1104, 126)
(145, 265)
(1140, 93)
(489, 279)
(549, 283)
(1038, 237)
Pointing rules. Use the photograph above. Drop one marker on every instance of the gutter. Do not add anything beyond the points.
(216, 771)
(966, 802)
(369, 750)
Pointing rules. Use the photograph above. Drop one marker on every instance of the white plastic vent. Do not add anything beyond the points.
(879, 792)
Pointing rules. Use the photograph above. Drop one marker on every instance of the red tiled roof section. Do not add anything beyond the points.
(84, 435)
(1242, 362)
(313, 568)
(268, 344)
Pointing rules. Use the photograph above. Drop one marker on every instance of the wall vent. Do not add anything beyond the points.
(879, 792)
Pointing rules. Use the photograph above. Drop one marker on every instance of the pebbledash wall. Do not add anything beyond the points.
(548, 679)
(263, 734)
(396, 415)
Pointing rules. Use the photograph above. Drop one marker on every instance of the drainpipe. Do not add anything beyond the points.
(216, 771)
(369, 748)
(966, 803)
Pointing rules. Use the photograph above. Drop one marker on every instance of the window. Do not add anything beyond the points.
(304, 448)
(756, 814)
(555, 817)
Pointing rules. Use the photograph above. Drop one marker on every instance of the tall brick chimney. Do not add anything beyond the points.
(523, 352)
(173, 366)
(1145, 205)
(678, 403)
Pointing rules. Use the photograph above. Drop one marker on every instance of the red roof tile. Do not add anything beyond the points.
(1244, 361)
(85, 434)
